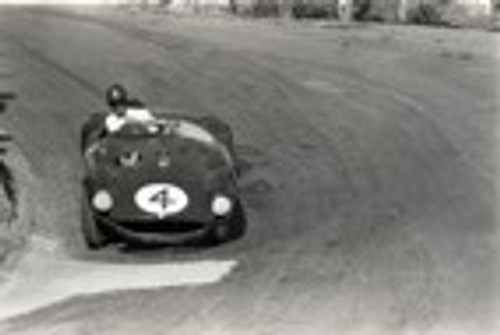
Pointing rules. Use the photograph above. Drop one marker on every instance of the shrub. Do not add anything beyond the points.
(265, 8)
(7, 183)
(305, 9)
(425, 13)
(459, 15)
(362, 11)
(296, 8)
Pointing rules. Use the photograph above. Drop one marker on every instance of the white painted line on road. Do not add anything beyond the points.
(43, 277)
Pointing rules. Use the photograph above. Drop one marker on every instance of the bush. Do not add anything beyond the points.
(425, 13)
(7, 183)
(299, 9)
(380, 11)
(459, 15)
(362, 11)
(265, 8)
(303, 9)
(9, 235)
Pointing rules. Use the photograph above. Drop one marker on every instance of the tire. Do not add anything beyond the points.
(230, 229)
(93, 235)
(224, 134)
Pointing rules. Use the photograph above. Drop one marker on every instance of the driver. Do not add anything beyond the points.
(124, 109)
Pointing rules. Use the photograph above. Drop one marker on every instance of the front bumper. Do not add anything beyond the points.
(157, 232)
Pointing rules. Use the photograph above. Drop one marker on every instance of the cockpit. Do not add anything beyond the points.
(158, 127)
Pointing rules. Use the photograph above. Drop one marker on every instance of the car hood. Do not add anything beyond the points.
(125, 166)
(149, 155)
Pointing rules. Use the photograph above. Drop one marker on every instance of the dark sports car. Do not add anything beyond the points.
(168, 181)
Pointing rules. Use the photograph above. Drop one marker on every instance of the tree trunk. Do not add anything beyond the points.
(402, 10)
(345, 10)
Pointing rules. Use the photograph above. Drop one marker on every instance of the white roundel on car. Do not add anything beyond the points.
(161, 199)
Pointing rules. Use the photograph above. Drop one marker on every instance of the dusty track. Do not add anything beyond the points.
(370, 182)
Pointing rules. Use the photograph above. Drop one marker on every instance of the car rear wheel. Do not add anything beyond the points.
(220, 130)
(223, 133)
(91, 130)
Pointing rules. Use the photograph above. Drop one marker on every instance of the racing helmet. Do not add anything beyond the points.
(116, 96)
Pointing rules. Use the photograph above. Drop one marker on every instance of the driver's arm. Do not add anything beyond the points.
(114, 122)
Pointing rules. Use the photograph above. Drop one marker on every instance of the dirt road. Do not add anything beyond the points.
(370, 181)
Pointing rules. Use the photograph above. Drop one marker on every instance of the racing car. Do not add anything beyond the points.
(166, 179)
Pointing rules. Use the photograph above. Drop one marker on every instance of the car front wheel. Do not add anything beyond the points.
(229, 229)
(93, 235)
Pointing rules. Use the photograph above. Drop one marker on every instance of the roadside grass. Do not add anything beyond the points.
(8, 200)
(10, 240)
(7, 184)
(16, 180)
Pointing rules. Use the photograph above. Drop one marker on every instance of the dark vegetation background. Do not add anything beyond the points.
(454, 13)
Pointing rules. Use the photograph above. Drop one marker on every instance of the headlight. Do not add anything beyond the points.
(221, 205)
(102, 201)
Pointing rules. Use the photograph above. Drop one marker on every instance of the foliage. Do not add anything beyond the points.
(7, 182)
(314, 9)
(293, 8)
(425, 13)
(264, 8)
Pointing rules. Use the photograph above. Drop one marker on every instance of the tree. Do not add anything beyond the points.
(286, 8)
(402, 10)
(233, 6)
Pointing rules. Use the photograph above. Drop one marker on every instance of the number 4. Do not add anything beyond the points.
(163, 198)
